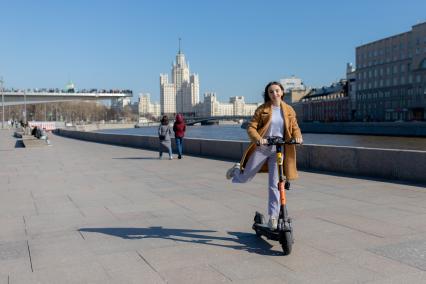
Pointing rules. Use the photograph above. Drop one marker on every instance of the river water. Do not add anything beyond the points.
(235, 132)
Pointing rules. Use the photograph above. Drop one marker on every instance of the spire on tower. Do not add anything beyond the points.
(179, 45)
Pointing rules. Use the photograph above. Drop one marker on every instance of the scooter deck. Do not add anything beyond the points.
(264, 230)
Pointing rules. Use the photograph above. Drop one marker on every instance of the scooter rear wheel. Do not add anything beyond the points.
(287, 242)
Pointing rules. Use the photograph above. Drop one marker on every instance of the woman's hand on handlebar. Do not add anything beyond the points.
(299, 140)
(262, 141)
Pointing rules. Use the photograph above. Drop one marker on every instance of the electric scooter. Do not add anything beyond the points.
(284, 231)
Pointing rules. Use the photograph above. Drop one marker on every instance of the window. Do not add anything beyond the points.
(395, 81)
(422, 64)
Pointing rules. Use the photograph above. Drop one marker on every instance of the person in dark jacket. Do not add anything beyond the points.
(34, 131)
(179, 128)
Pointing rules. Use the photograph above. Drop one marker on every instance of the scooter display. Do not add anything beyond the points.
(284, 231)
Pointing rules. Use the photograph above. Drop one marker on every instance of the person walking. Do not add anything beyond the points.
(164, 135)
(179, 128)
(273, 118)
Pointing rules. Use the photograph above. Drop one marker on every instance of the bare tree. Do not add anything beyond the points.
(75, 111)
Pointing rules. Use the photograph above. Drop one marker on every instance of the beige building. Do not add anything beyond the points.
(235, 107)
(294, 89)
(391, 77)
(295, 96)
(167, 95)
(145, 106)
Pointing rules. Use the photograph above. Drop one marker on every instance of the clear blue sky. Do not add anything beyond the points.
(236, 46)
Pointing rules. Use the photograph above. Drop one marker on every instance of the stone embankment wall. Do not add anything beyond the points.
(412, 129)
(403, 165)
(99, 126)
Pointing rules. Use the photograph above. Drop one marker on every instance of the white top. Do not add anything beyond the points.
(276, 128)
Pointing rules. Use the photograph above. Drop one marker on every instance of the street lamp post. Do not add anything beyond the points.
(25, 108)
(2, 102)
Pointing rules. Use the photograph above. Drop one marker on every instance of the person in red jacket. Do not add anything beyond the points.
(179, 128)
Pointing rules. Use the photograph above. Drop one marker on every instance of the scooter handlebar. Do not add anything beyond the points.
(276, 140)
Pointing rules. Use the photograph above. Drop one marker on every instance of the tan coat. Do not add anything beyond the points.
(258, 126)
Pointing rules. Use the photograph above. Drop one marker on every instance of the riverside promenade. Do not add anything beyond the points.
(83, 212)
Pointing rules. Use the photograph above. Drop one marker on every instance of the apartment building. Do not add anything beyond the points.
(391, 77)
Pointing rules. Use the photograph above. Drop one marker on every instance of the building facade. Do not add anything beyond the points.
(327, 104)
(391, 77)
(292, 83)
(235, 107)
(146, 107)
(294, 89)
(167, 95)
(351, 80)
(182, 94)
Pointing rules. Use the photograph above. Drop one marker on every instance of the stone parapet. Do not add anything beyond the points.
(402, 165)
(410, 129)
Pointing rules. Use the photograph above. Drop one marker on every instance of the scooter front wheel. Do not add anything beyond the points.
(258, 219)
(287, 242)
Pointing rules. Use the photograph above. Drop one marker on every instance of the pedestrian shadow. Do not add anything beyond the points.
(236, 240)
(136, 158)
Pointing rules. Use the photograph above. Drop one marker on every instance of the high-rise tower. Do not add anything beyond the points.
(185, 85)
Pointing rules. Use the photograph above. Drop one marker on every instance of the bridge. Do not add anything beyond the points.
(22, 97)
(213, 119)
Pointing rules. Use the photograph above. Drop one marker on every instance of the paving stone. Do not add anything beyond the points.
(412, 253)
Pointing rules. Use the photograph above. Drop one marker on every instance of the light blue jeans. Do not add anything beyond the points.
(261, 155)
(179, 145)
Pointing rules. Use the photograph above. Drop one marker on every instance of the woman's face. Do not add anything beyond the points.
(275, 93)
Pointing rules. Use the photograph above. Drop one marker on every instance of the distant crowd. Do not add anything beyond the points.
(57, 90)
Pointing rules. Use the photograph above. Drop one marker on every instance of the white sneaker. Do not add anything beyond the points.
(273, 223)
(231, 172)
(171, 158)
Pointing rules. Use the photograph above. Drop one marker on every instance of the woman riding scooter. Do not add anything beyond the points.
(273, 118)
